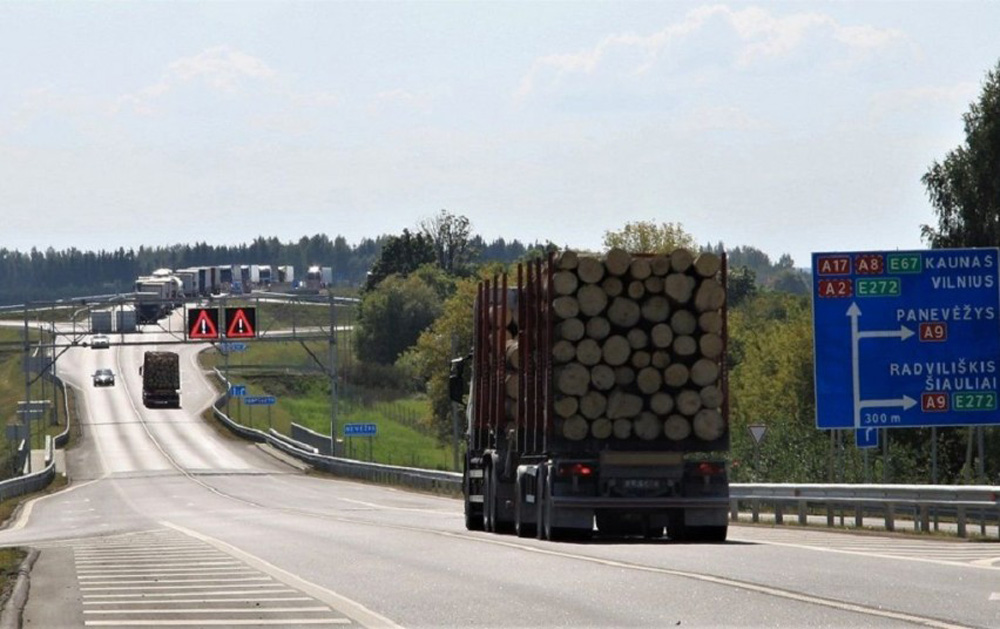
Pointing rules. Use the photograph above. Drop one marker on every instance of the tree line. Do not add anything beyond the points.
(38, 275)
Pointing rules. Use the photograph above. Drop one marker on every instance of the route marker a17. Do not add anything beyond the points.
(906, 338)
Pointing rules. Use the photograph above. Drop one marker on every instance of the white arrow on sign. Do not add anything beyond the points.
(903, 333)
(757, 432)
(906, 402)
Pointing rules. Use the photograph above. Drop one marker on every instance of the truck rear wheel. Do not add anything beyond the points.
(473, 516)
(712, 534)
(521, 528)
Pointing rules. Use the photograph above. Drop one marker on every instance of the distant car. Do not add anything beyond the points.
(104, 378)
(100, 342)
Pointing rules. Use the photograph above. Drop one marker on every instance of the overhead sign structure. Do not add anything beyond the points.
(203, 324)
(241, 323)
(260, 400)
(360, 430)
(906, 339)
(33, 409)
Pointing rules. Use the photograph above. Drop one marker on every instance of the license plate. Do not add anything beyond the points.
(641, 483)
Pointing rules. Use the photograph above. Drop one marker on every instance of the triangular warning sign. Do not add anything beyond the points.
(240, 325)
(757, 431)
(203, 326)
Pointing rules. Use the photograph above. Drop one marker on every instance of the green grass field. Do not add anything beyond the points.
(288, 372)
(13, 389)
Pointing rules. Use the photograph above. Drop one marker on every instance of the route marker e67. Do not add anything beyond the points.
(906, 338)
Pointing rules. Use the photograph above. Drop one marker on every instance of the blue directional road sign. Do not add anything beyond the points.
(259, 400)
(866, 437)
(233, 347)
(906, 338)
(360, 430)
(238, 390)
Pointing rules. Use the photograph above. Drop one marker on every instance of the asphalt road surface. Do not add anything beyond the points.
(170, 522)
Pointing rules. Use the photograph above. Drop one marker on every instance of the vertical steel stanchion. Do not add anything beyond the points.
(934, 456)
(333, 374)
(27, 383)
(454, 412)
(885, 455)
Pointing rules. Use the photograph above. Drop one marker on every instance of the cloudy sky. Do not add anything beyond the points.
(790, 126)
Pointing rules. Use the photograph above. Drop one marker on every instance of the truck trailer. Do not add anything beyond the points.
(598, 396)
(161, 379)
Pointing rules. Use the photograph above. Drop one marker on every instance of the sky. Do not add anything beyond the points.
(792, 127)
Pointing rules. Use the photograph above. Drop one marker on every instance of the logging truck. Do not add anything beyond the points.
(597, 398)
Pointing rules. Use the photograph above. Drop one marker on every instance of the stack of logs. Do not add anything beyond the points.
(637, 347)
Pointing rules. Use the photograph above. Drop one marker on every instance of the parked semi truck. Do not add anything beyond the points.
(161, 379)
(598, 396)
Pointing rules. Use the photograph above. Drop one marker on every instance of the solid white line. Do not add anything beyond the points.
(724, 582)
(866, 553)
(202, 610)
(251, 622)
(280, 599)
(995, 596)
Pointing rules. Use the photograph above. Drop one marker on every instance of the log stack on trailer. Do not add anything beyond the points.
(595, 380)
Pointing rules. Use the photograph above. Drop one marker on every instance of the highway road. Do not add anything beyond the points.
(170, 522)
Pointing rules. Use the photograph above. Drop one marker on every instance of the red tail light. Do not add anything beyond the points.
(706, 468)
(575, 469)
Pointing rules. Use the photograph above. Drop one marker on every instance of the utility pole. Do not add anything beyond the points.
(333, 374)
(27, 382)
(454, 411)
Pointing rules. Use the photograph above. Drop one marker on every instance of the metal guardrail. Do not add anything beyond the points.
(36, 481)
(889, 503)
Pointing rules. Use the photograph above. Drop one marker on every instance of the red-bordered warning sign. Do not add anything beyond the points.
(241, 323)
(203, 324)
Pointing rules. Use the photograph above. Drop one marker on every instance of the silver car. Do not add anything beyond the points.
(100, 342)
(104, 378)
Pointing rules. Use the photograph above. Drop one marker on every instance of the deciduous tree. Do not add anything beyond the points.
(965, 188)
(649, 237)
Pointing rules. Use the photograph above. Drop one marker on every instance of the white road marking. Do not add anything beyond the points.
(228, 610)
(160, 590)
(342, 604)
(867, 552)
(253, 622)
(278, 599)
(117, 585)
(995, 596)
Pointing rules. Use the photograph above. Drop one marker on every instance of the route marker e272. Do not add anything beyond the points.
(906, 338)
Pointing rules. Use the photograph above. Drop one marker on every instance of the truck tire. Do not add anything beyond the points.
(488, 490)
(560, 533)
(709, 534)
(706, 534)
(498, 524)
(540, 503)
(521, 528)
(473, 516)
